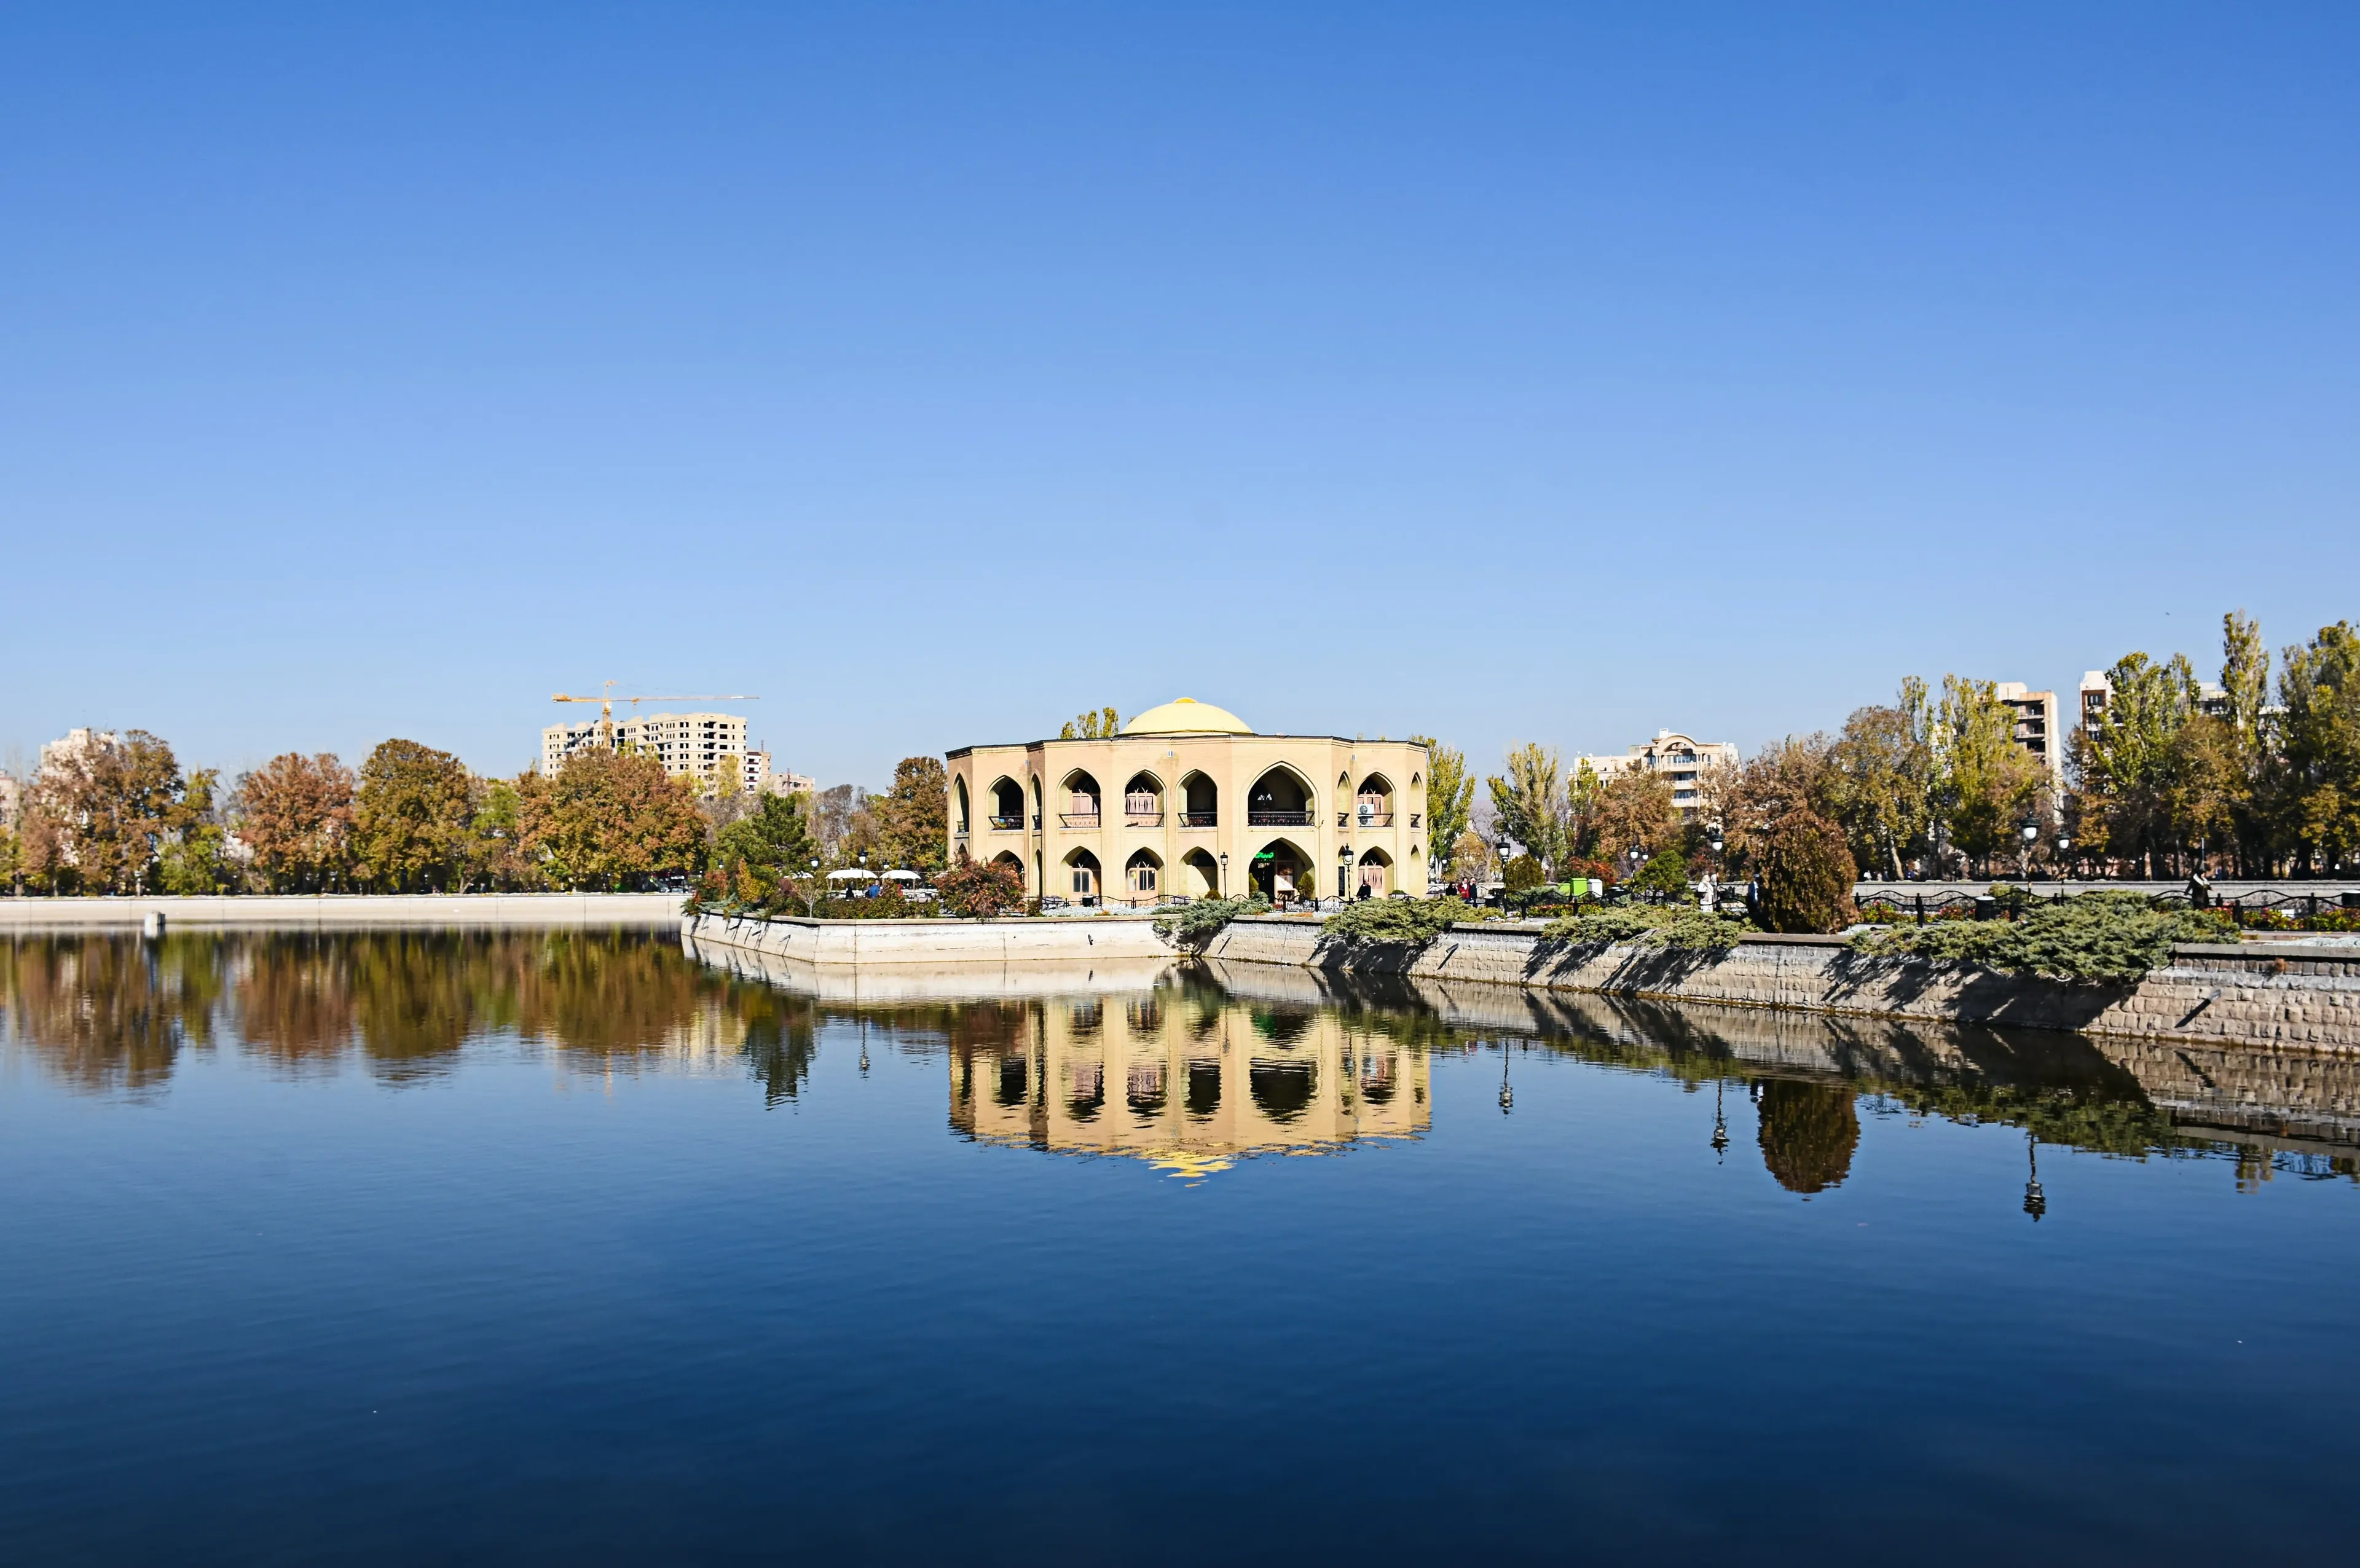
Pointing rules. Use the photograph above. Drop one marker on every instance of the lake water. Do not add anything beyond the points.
(397, 1247)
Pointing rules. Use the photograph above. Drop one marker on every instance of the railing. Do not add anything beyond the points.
(1008, 825)
(1078, 820)
(1199, 819)
(1413, 819)
(1376, 819)
(1278, 819)
(1144, 819)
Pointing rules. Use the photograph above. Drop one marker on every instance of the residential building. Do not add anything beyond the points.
(1188, 800)
(2039, 726)
(2097, 691)
(1683, 761)
(71, 747)
(697, 744)
(12, 800)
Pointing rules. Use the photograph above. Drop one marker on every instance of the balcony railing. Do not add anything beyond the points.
(1078, 819)
(1008, 825)
(1376, 819)
(1200, 819)
(1277, 819)
(1142, 819)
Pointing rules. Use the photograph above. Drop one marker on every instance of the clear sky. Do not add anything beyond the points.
(1555, 373)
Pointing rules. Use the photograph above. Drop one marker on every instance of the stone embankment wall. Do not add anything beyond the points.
(936, 942)
(2282, 995)
(332, 910)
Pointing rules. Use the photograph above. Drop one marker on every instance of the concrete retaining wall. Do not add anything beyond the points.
(346, 909)
(2281, 994)
(938, 942)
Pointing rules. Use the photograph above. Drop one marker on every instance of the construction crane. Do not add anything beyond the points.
(607, 705)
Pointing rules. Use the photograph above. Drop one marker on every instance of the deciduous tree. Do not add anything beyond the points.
(913, 818)
(295, 814)
(411, 819)
(610, 820)
(98, 815)
(1528, 802)
(1449, 795)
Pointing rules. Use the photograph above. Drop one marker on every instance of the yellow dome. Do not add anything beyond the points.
(1187, 716)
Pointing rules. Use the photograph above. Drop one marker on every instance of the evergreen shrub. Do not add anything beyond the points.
(1807, 872)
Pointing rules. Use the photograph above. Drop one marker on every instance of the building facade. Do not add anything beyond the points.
(2098, 691)
(1189, 801)
(1681, 761)
(2039, 728)
(697, 745)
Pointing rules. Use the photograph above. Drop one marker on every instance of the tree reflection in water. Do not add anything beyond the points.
(1220, 1060)
(105, 1012)
(1809, 1131)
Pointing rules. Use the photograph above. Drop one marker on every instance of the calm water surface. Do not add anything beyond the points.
(394, 1247)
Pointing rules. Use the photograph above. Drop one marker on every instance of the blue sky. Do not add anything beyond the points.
(1551, 372)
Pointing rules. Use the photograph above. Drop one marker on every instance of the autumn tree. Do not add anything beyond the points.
(2123, 769)
(295, 814)
(194, 858)
(495, 847)
(411, 814)
(1807, 1133)
(1806, 874)
(610, 820)
(1449, 795)
(99, 813)
(1635, 810)
(913, 818)
(980, 888)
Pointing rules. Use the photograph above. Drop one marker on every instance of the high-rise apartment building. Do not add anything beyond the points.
(697, 744)
(2097, 692)
(1681, 761)
(2038, 727)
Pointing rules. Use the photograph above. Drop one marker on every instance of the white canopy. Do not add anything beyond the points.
(899, 876)
(850, 876)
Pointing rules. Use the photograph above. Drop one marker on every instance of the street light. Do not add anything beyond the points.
(1225, 873)
(2031, 829)
(2036, 1201)
(2064, 847)
(1343, 871)
(1507, 1095)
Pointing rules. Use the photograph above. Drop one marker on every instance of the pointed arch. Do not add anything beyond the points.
(1200, 801)
(1007, 813)
(1373, 802)
(1283, 871)
(958, 805)
(1143, 873)
(1284, 797)
(1201, 875)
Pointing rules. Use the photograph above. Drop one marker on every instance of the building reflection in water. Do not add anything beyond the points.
(1188, 1079)
(1191, 1069)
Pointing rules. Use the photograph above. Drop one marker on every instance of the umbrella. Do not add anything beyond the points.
(849, 876)
(899, 876)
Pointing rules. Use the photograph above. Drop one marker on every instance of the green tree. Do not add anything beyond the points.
(1664, 877)
(1884, 765)
(1985, 781)
(411, 819)
(773, 842)
(1449, 795)
(1528, 802)
(194, 857)
(914, 817)
(610, 820)
(1104, 724)
(495, 838)
(1583, 796)
(2124, 770)
(2319, 806)
(1806, 872)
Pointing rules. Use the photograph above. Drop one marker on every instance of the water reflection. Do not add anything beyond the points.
(1188, 1069)
(1185, 1076)
(105, 1012)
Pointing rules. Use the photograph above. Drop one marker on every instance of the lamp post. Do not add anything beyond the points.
(811, 898)
(1507, 1095)
(2030, 831)
(1506, 844)
(2064, 849)
(1343, 871)
(1225, 873)
(1713, 879)
(2036, 1201)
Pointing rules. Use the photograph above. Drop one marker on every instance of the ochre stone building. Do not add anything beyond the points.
(1189, 801)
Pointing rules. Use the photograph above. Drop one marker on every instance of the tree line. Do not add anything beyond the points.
(118, 815)
(2258, 778)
